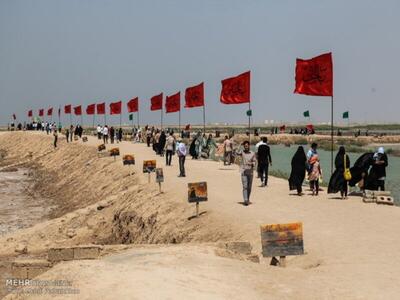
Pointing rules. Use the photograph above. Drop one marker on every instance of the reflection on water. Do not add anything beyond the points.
(281, 158)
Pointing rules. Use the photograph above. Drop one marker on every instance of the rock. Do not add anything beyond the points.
(253, 258)
(21, 248)
(71, 233)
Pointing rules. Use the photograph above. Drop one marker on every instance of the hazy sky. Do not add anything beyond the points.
(55, 52)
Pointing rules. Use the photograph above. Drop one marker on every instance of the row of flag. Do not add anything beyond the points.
(313, 77)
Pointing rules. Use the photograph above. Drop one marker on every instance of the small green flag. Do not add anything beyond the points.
(306, 114)
(130, 117)
(346, 115)
(249, 113)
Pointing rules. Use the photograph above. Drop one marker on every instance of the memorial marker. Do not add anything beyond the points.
(114, 152)
(282, 240)
(197, 192)
(149, 166)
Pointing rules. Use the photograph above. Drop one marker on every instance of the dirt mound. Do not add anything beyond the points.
(97, 200)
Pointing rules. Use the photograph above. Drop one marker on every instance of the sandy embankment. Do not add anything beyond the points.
(352, 249)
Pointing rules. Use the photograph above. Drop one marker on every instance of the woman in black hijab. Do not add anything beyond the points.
(161, 143)
(298, 170)
(337, 181)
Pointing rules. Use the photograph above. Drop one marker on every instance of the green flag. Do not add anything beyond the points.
(346, 115)
(306, 114)
(130, 117)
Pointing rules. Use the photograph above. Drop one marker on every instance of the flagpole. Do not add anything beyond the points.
(93, 120)
(249, 122)
(331, 134)
(70, 118)
(138, 119)
(120, 120)
(105, 119)
(161, 117)
(179, 120)
(204, 117)
(81, 120)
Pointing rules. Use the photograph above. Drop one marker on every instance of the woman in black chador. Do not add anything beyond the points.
(337, 183)
(298, 170)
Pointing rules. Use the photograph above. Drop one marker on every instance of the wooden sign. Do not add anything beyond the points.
(128, 159)
(114, 152)
(197, 192)
(282, 239)
(84, 139)
(101, 147)
(149, 166)
(159, 175)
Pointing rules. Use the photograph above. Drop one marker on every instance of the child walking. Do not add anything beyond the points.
(315, 174)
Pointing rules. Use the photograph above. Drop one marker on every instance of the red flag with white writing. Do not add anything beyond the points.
(236, 90)
(133, 105)
(41, 112)
(115, 108)
(67, 109)
(156, 102)
(314, 77)
(30, 114)
(50, 111)
(194, 96)
(90, 109)
(173, 103)
(78, 110)
(101, 108)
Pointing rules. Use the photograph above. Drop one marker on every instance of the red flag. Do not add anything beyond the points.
(67, 109)
(90, 109)
(41, 112)
(282, 128)
(50, 111)
(310, 127)
(194, 96)
(115, 108)
(314, 77)
(173, 103)
(78, 110)
(156, 102)
(30, 113)
(236, 90)
(101, 108)
(133, 105)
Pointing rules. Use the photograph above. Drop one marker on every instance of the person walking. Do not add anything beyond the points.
(67, 134)
(105, 134)
(55, 134)
(298, 172)
(315, 174)
(181, 152)
(169, 147)
(98, 132)
(71, 132)
(247, 164)
(120, 133)
(227, 151)
(338, 182)
(264, 161)
(112, 134)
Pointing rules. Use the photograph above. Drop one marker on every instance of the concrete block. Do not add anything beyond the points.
(59, 254)
(88, 252)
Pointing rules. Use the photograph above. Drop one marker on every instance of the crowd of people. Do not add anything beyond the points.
(368, 171)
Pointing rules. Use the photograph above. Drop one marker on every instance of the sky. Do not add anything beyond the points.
(57, 52)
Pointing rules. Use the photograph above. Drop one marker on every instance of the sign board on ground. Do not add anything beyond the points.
(84, 139)
(282, 239)
(101, 147)
(114, 152)
(149, 166)
(159, 175)
(128, 159)
(197, 192)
